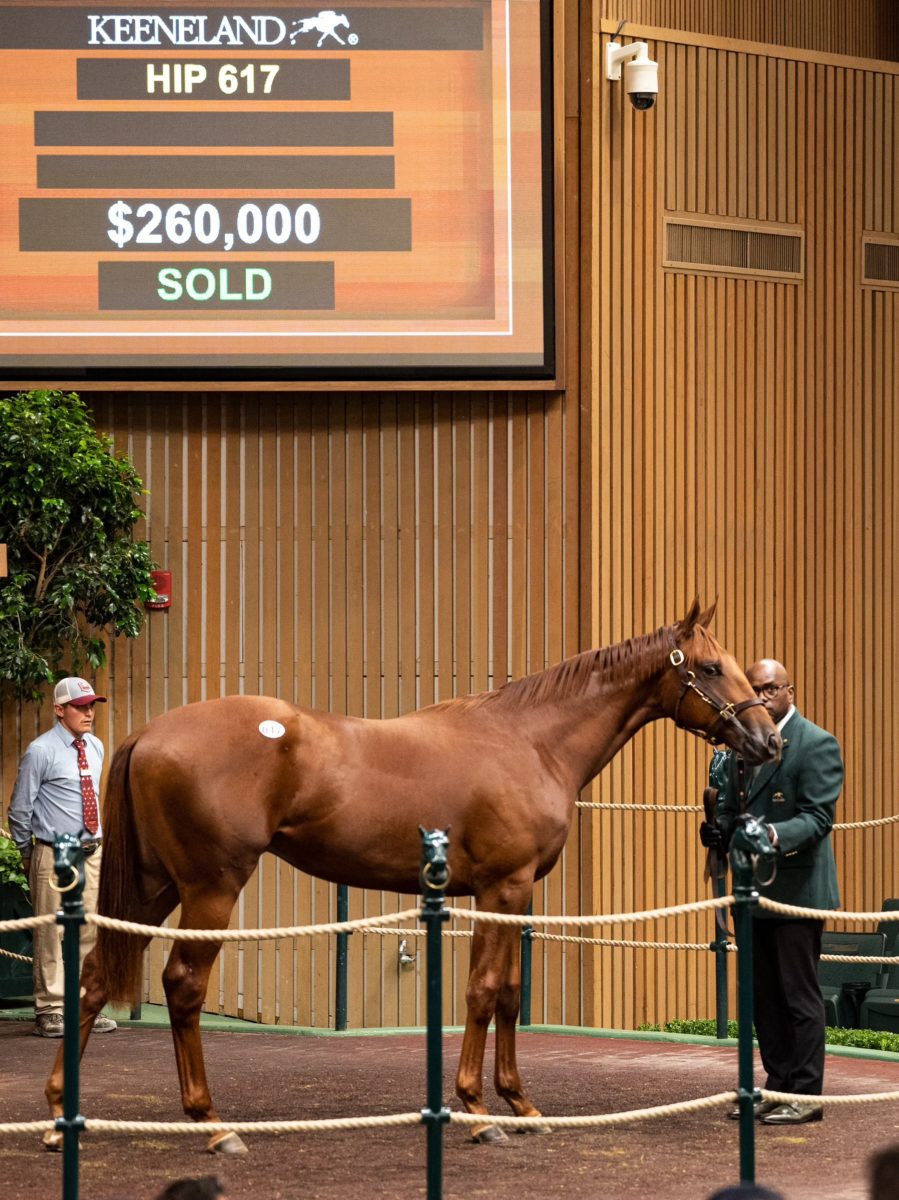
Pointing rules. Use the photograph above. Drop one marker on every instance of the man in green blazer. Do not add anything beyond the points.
(796, 799)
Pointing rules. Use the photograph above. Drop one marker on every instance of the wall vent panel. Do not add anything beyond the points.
(881, 263)
(755, 250)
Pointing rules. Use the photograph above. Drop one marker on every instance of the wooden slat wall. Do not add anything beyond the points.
(864, 28)
(744, 446)
(368, 554)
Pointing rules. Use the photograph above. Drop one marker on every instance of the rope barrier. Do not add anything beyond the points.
(890, 960)
(248, 935)
(625, 942)
(860, 1098)
(384, 925)
(18, 957)
(695, 808)
(371, 924)
(684, 808)
(867, 824)
(45, 1126)
(459, 933)
(600, 1119)
(21, 923)
(458, 1118)
(651, 914)
(661, 1110)
(324, 1125)
(396, 1120)
(818, 914)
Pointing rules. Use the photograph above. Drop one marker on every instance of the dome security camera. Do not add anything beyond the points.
(641, 74)
(641, 82)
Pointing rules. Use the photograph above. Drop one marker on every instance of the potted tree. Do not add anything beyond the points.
(15, 975)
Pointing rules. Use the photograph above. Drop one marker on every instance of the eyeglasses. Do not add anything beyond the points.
(770, 690)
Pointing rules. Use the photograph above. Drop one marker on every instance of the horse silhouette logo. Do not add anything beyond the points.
(326, 23)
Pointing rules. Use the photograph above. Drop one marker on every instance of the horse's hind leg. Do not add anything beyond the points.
(93, 998)
(186, 979)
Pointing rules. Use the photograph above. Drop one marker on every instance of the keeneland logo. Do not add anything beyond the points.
(185, 29)
(326, 23)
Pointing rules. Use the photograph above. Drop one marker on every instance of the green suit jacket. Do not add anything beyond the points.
(798, 797)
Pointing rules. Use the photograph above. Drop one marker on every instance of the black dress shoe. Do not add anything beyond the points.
(797, 1113)
(759, 1109)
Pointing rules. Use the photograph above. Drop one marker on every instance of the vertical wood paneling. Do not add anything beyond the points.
(864, 28)
(759, 450)
(363, 554)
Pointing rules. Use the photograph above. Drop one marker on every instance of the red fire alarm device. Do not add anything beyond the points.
(162, 582)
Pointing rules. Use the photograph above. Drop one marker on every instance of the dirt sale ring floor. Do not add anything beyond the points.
(130, 1075)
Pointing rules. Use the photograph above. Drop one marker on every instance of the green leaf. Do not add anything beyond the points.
(860, 1039)
(11, 863)
(68, 507)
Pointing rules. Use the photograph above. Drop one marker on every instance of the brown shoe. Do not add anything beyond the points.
(797, 1113)
(760, 1109)
(49, 1025)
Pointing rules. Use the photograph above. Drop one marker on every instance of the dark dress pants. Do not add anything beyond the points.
(789, 1008)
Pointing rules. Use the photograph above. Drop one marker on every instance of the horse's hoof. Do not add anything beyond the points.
(488, 1135)
(535, 1129)
(52, 1140)
(226, 1143)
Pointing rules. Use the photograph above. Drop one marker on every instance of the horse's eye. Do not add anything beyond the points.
(711, 669)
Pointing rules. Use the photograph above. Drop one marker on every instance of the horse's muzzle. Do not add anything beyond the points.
(762, 747)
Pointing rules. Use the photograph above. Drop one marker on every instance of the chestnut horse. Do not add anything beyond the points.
(196, 796)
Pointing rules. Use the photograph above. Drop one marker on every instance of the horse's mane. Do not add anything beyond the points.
(629, 661)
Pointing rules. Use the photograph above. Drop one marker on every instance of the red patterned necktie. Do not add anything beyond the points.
(88, 795)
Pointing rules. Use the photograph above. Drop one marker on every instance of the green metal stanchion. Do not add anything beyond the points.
(719, 946)
(434, 878)
(69, 866)
(717, 867)
(527, 957)
(750, 846)
(340, 998)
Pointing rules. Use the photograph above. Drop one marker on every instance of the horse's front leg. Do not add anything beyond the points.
(493, 948)
(507, 1079)
(185, 980)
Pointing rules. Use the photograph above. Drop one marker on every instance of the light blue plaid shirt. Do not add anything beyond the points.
(46, 799)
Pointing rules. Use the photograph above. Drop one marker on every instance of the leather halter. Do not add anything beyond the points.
(727, 711)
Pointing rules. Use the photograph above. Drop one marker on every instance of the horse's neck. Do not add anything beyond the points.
(585, 733)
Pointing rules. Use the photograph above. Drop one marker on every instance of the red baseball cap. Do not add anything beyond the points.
(75, 691)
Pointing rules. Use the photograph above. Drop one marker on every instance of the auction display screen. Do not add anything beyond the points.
(195, 190)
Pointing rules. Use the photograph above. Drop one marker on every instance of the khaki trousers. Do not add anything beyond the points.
(47, 969)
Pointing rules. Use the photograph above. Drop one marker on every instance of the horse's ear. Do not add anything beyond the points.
(705, 618)
(688, 623)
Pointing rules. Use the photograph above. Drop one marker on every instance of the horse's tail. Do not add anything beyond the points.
(119, 955)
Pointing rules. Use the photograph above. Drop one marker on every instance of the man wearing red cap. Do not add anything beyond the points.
(56, 791)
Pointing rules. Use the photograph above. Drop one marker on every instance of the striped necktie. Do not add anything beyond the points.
(88, 795)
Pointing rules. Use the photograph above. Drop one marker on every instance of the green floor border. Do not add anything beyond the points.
(155, 1016)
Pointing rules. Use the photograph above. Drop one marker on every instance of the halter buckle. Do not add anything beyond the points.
(676, 657)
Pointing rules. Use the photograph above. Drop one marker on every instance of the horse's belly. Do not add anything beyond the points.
(349, 860)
